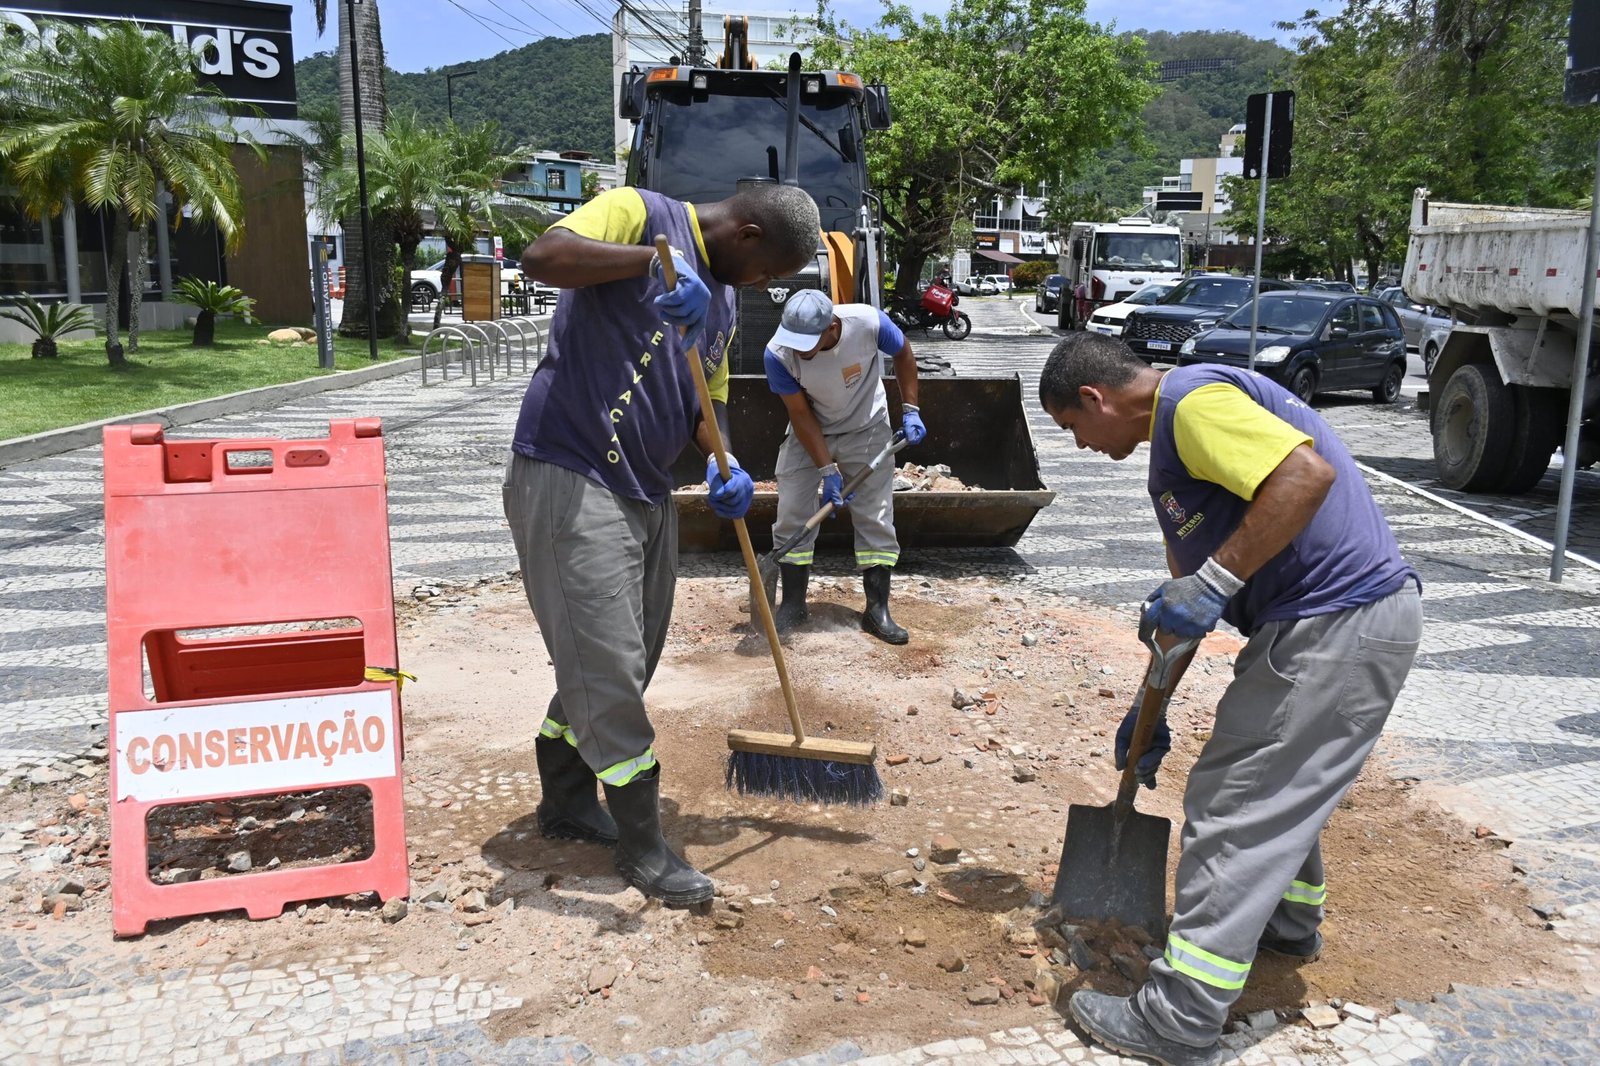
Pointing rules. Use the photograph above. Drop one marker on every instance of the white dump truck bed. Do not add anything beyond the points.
(1475, 257)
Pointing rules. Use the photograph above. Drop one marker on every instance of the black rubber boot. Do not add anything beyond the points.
(792, 608)
(644, 859)
(1304, 951)
(875, 619)
(1114, 1022)
(570, 809)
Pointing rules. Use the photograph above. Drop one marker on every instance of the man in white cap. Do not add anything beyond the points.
(826, 362)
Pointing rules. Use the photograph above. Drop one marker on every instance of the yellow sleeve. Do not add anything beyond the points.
(616, 216)
(718, 385)
(1225, 437)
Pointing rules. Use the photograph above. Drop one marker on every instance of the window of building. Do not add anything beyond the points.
(555, 180)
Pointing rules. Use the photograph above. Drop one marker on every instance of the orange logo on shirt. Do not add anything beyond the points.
(851, 373)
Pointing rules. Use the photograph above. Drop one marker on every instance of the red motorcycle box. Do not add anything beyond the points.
(937, 298)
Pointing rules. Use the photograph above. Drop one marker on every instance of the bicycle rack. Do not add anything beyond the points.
(524, 325)
(445, 334)
(503, 331)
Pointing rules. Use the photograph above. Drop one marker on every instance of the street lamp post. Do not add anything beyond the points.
(361, 182)
(449, 80)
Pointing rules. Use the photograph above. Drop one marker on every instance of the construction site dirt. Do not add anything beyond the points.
(921, 918)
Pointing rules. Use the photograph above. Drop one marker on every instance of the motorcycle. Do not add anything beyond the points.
(936, 306)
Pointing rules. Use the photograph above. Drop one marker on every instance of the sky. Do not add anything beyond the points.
(423, 34)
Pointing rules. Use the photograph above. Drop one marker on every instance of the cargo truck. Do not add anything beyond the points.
(1499, 389)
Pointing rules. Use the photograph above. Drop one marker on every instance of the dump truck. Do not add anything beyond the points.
(1499, 390)
(698, 132)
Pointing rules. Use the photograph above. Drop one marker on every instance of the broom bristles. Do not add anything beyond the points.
(804, 780)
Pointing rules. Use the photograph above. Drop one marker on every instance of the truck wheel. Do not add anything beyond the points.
(1474, 420)
(1388, 390)
(957, 326)
(1541, 423)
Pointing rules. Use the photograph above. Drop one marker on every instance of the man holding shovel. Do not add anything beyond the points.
(1270, 526)
(826, 362)
(588, 485)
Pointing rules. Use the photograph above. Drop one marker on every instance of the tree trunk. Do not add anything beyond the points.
(137, 282)
(369, 54)
(205, 330)
(114, 265)
(408, 255)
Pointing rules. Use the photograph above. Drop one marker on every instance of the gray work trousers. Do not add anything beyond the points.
(871, 511)
(1307, 702)
(599, 570)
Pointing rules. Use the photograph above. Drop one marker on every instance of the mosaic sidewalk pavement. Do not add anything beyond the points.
(1500, 717)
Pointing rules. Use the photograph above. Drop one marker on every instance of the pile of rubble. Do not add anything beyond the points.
(937, 478)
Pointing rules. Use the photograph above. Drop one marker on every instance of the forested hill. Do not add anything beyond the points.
(553, 94)
(1192, 112)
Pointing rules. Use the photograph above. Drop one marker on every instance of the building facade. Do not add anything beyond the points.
(246, 51)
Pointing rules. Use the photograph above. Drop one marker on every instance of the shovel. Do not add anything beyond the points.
(1114, 860)
(768, 563)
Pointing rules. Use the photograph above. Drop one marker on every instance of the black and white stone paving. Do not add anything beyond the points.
(1500, 721)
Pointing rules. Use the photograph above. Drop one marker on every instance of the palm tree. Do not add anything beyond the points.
(112, 114)
(476, 159)
(406, 168)
(368, 38)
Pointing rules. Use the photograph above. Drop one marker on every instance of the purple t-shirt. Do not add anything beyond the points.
(1345, 557)
(613, 397)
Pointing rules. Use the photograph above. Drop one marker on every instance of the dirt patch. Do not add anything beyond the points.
(833, 922)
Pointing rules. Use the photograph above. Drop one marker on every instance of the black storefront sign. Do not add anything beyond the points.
(245, 50)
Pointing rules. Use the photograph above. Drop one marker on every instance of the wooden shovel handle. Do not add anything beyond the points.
(669, 277)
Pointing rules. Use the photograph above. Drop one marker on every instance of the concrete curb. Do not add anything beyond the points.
(71, 438)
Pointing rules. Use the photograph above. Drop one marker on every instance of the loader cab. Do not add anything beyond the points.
(699, 131)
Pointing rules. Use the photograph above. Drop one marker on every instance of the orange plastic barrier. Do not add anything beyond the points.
(218, 555)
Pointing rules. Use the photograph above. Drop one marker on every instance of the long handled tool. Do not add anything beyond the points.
(768, 563)
(780, 765)
(1114, 860)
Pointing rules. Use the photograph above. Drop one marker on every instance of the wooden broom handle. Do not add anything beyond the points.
(758, 594)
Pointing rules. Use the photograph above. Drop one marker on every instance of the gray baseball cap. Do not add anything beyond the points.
(806, 317)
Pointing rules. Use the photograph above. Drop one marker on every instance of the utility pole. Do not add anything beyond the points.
(697, 41)
(449, 82)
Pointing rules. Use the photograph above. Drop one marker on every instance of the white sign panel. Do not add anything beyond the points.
(235, 748)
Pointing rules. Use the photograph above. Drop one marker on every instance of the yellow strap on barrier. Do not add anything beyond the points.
(389, 673)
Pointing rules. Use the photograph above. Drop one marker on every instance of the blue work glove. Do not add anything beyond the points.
(1191, 606)
(1160, 744)
(911, 425)
(833, 490)
(685, 305)
(731, 498)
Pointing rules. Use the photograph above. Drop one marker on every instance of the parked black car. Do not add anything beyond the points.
(1310, 341)
(1047, 297)
(1158, 331)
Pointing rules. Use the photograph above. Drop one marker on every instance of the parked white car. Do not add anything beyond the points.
(427, 283)
(1111, 318)
(976, 285)
(1001, 282)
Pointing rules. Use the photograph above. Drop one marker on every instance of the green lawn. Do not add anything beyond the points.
(80, 386)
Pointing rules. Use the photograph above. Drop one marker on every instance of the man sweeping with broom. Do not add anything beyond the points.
(826, 362)
(588, 486)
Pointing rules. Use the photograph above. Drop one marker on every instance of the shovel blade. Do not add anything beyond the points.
(1114, 871)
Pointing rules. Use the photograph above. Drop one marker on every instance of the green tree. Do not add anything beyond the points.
(406, 174)
(989, 99)
(475, 160)
(367, 35)
(113, 115)
(1460, 96)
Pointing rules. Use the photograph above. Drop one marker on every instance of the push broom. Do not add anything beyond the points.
(789, 766)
